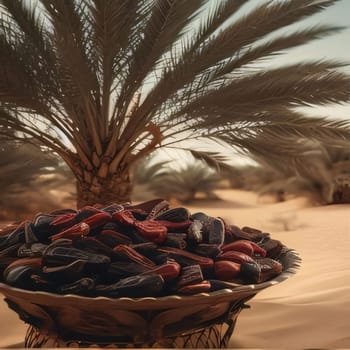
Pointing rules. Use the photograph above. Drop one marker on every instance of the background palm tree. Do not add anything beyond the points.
(27, 174)
(321, 173)
(145, 174)
(186, 183)
(104, 83)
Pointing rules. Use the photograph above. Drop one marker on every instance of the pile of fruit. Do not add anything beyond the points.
(140, 250)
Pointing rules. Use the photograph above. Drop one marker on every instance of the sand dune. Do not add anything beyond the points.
(309, 310)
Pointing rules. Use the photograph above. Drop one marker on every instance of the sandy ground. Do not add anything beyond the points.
(309, 310)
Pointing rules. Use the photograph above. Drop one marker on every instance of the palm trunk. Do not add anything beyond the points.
(114, 188)
(342, 195)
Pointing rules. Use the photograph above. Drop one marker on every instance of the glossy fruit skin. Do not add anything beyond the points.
(169, 271)
(225, 270)
(185, 258)
(202, 287)
(245, 246)
(151, 230)
(121, 249)
(235, 256)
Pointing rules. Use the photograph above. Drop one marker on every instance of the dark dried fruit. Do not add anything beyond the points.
(15, 237)
(176, 240)
(31, 250)
(190, 275)
(19, 273)
(250, 272)
(82, 286)
(152, 206)
(212, 230)
(234, 233)
(138, 250)
(126, 253)
(174, 215)
(185, 258)
(112, 238)
(92, 245)
(56, 255)
(207, 250)
(273, 247)
(133, 287)
(122, 269)
(269, 268)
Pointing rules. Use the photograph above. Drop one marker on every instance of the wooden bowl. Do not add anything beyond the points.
(201, 320)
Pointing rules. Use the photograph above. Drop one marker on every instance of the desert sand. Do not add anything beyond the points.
(310, 309)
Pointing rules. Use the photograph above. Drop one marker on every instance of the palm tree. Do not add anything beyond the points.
(104, 83)
(147, 171)
(186, 182)
(27, 174)
(326, 172)
(322, 173)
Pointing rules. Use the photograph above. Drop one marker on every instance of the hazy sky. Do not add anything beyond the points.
(336, 46)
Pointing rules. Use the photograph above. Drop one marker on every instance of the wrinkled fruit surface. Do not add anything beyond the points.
(142, 250)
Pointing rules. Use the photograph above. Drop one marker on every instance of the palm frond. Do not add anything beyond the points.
(214, 160)
(289, 86)
(165, 26)
(113, 23)
(271, 48)
(104, 83)
(186, 182)
(318, 173)
(78, 74)
(215, 19)
(147, 170)
(261, 21)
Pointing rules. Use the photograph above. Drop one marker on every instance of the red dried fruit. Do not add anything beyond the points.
(244, 246)
(175, 226)
(98, 219)
(235, 256)
(202, 287)
(124, 217)
(152, 230)
(113, 238)
(239, 246)
(127, 253)
(148, 206)
(34, 262)
(63, 219)
(226, 270)
(169, 271)
(76, 231)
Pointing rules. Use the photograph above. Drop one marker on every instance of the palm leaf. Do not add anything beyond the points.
(273, 47)
(186, 182)
(104, 83)
(214, 160)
